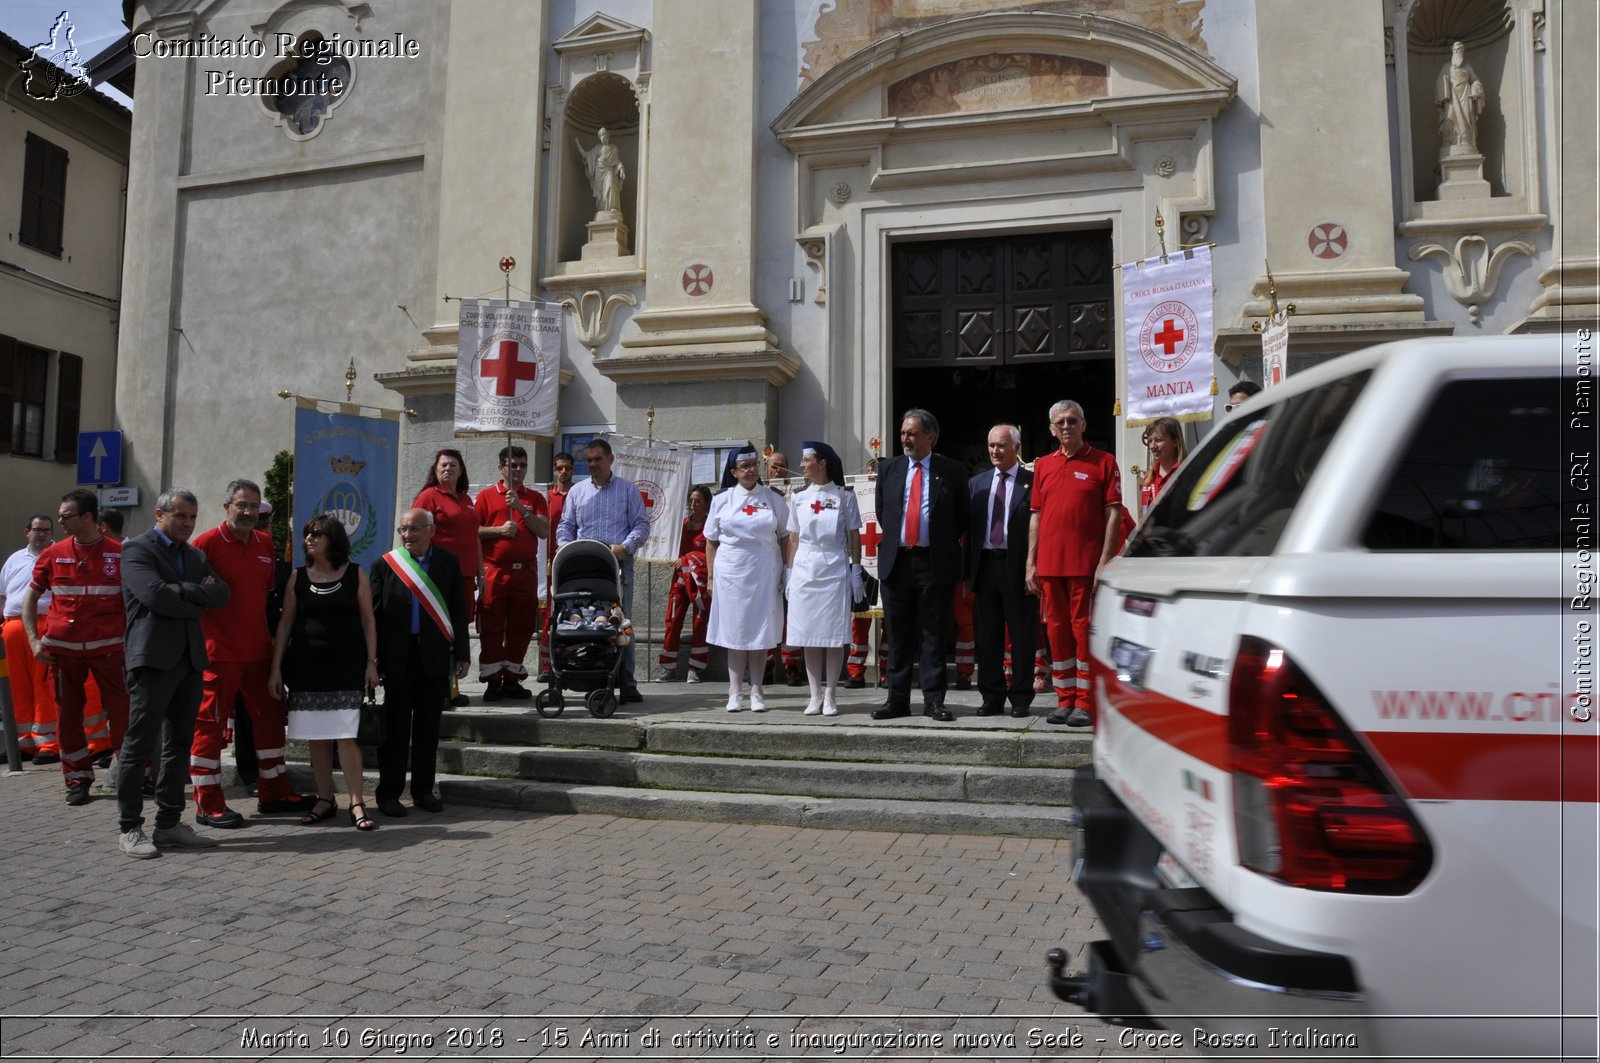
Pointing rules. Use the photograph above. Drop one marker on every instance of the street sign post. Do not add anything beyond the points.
(100, 457)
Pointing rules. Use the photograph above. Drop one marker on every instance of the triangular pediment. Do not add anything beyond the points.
(596, 30)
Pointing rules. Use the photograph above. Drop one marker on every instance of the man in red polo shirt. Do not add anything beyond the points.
(512, 520)
(1077, 500)
(239, 652)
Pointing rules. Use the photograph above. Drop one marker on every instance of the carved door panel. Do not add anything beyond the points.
(1043, 297)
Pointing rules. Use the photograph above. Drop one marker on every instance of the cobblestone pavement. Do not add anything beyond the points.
(480, 933)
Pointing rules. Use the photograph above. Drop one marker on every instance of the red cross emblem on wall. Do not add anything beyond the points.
(506, 370)
(1170, 336)
(870, 537)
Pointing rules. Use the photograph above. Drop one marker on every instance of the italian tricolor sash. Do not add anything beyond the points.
(411, 574)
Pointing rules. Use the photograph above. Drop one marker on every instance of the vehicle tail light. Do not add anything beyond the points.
(1311, 806)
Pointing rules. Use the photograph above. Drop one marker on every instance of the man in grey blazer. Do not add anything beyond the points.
(995, 561)
(166, 585)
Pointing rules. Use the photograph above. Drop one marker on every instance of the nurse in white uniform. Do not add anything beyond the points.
(825, 544)
(746, 555)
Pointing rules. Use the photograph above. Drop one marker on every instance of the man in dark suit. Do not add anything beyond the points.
(166, 585)
(922, 506)
(421, 610)
(996, 563)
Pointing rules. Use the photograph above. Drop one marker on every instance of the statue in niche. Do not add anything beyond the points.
(1460, 98)
(603, 164)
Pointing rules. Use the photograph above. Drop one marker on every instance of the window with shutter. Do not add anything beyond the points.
(44, 196)
(69, 391)
(30, 369)
(8, 390)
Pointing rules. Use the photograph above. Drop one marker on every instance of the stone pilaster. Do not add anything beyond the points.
(1325, 165)
(149, 349)
(1569, 293)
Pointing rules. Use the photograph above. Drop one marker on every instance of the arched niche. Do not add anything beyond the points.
(604, 83)
(1500, 41)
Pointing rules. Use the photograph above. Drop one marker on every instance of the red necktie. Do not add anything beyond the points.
(997, 516)
(913, 534)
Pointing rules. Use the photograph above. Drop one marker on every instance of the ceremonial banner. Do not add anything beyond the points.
(661, 473)
(1274, 353)
(346, 464)
(1166, 313)
(508, 370)
(865, 488)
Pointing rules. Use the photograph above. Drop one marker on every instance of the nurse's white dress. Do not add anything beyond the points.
(819, 585)
(746, 589)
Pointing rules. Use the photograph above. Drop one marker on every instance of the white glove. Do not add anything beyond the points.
(858, 582)
(784, 580)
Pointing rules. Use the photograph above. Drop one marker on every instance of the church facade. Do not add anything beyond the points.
(775, 219)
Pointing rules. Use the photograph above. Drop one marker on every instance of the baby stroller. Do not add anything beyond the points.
(587, 630)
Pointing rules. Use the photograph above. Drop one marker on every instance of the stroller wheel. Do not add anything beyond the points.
(549, 703)
(601, 703)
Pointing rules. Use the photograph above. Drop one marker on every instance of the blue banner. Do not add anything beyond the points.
(346, 464)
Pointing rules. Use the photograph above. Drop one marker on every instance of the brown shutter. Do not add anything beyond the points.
(8, 390)
(44, 196)
(69, 401)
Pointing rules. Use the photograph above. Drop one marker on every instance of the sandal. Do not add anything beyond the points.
(363, 821)
(318, 813)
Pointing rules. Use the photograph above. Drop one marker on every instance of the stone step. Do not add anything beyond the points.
(986, 741)
(828, 813)
(730, 774)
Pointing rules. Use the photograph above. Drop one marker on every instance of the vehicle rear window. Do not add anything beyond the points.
(1234, 496)
(1482, 472)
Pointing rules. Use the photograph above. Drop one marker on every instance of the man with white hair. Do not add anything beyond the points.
(1076, 509)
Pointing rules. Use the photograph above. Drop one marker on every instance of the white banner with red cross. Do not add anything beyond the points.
(1166, 314)
(661, 472)
(865, 488)
(508, 371)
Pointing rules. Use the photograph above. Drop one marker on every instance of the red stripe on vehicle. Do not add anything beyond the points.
(1428, 765)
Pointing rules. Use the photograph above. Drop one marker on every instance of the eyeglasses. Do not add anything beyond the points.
(411, 529)
(39, 531)
(1066, 422)
(316, 535)
(747, 465)
(68, 516)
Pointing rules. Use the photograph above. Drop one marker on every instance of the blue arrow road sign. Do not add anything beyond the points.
(99, 457)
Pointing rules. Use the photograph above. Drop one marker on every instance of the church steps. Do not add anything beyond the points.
(795, 777)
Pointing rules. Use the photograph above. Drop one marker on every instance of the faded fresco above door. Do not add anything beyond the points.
(998, 81)
(851, 25)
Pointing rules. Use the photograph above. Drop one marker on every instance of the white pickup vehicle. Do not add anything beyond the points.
(1344, 792)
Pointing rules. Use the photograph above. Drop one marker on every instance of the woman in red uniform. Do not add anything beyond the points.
(1164, 441)
(455, 526)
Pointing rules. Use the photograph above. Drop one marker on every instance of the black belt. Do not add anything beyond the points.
(996, 551)
(915, 549)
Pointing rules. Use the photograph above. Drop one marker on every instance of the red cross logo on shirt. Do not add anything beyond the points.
(507, 369)
(749, 510)
(870, 538)
(1170, 336)
(817, 506)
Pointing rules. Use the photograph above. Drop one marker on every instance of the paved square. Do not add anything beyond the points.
(482, 933)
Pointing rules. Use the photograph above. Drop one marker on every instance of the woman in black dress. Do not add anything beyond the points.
(326, 653)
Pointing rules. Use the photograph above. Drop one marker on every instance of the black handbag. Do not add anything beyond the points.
(868, 599)
(369, 732)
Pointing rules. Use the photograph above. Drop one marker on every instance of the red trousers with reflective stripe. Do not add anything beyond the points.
(70, 678)
(1067, 606)
(855, 665)
(966, 644)
(678, 605)
(224, 682)
(506, 624)
(33, 700)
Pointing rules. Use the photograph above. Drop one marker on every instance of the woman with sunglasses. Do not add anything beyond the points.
(326, 654)
(747, 534)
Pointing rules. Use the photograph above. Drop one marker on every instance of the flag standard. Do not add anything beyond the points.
(508, 369)
(661, 473)
(1166, 313)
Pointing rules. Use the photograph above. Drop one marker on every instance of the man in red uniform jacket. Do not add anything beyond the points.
(82, 633)
(239, 651)
(1077, 508)
(512, 520)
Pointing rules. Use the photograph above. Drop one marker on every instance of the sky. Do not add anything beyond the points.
(98, 24)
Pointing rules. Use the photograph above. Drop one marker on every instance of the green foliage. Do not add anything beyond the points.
(279, 490)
